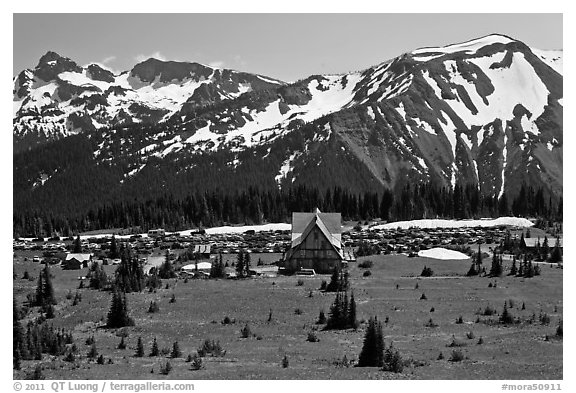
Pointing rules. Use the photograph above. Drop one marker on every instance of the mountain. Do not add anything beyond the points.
(485, 113)
(60, 98)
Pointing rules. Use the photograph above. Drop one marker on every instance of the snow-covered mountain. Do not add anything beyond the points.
(59, 98)
(486, 112)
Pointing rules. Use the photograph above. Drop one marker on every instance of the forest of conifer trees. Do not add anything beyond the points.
(255, 206)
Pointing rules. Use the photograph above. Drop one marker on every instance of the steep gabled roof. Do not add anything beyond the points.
(332, 222)
(79, 257)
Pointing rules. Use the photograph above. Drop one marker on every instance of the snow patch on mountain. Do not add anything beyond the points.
(286, 167)
(468, 47)
(553, 58)
(504, 157)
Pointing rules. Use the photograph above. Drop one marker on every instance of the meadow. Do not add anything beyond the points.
(281, 311)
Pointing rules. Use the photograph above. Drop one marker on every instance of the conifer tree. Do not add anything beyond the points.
(513, 268)
(372, 353)
(139, 348)
(352, 321)
(114, 253)
(545, 249)
(176, 352)
(247, 264)
(556, 255)
(496, 268)
(155, 351)
(17, 336)
(77, 245)
(478, 259)
(166, 270)
(118, 313)
(240, 264)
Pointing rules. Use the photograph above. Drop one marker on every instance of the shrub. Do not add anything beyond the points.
(427, 272)
(210, 347)
(312, 337)
(298, 311)
(432, 309)
(459, 320)
(195, 362)
(153, 308)
(323, 285)
(431, 323)
(488, 311)
(456, 356)
(122, 344)
(480, 341)
(367, 264)
(93, 352)
(245, 331)
(423, 297)
(321, 318)
(166, 368)
(440, 356)
(285, 362)
(560, 329)
(227, 320)
(173, 299)
(69, 357)
(470, 335)
(100, 359)
(506, 317)
(392, 360)
(544, 319)
(300, 282)
(367, 273)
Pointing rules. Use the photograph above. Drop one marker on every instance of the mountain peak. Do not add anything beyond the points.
(52, 64)
(469, 47)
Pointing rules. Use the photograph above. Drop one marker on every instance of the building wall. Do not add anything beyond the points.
(315, 252)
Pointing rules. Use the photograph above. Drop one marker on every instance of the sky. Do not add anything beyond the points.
(284, 46)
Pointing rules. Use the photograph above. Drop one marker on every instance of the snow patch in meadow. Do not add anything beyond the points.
(442, 253)
(440, 223)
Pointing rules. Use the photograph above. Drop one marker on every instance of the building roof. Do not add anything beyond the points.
(202, 248)
(201, 266)
(79, 257)
(532, 241)
(331, 221)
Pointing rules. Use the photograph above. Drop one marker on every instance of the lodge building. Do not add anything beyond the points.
(316, 243)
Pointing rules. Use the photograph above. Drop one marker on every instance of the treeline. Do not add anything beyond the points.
(256, 206)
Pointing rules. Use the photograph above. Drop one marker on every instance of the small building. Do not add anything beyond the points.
(316, 243)
(154, 233)
(531, 242)
(74, 261)
(203, 249)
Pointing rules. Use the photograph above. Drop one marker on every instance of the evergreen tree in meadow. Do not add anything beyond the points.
(114, 252)
(217, 269)
(352, 321)
(372, 353)
(166, 270)
(556, 255)
(129, 276)
(44, 289)
(496, 268)
(139, 348)
(513, 268)
(77, 245)
(240, 264)
(155, 351)
(118, 313)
